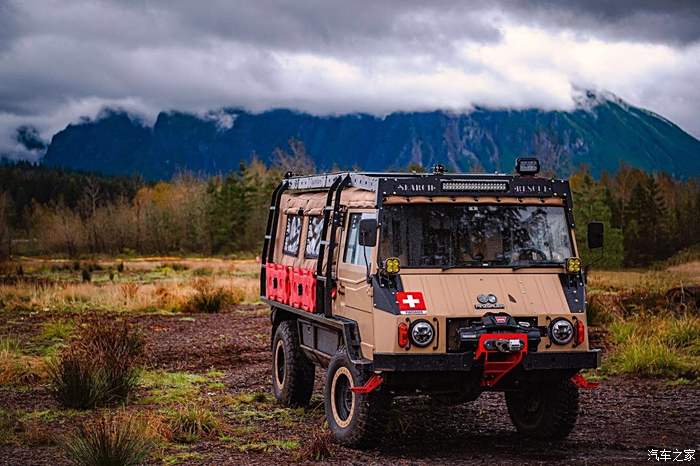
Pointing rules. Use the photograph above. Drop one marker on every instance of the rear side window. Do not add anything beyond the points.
(313, 237)
(292, 235)
(354, 253)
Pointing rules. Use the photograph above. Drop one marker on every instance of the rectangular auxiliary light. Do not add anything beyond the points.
(475, 185)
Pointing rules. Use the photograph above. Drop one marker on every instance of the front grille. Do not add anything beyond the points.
(455, 345)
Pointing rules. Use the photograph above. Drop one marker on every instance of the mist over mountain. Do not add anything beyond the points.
(601, 132)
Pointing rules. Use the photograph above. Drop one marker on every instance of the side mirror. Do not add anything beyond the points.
(595, 235)
(368, 232)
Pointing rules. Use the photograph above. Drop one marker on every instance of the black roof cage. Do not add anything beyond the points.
(436, 184)
(394, 184)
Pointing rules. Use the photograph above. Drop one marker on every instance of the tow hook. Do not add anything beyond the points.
(504, 345)
(371, 385)
(580, 381)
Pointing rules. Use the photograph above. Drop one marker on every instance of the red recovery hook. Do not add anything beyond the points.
(580, 381)
(498, 363)
(371, 385)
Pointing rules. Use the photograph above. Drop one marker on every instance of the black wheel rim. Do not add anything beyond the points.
(279, 364)
(343, 397)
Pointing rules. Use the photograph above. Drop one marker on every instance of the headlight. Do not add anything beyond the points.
(422, 333)
(561, 331)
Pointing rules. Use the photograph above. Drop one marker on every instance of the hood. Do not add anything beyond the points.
(518, 293)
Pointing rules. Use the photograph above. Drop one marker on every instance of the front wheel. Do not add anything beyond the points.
(356, 420)
(547, 411)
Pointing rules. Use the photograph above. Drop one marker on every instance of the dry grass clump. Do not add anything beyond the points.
(17, 368)
(210, 297)
(168, 294)
(110, 440)
(319, 448)
(98, 367)
(191, 422)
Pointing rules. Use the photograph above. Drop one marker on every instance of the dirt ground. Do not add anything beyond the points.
(617, 424)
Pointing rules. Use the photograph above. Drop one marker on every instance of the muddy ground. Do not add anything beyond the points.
(617, 424)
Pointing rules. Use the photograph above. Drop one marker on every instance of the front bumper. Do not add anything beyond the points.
(549, 360)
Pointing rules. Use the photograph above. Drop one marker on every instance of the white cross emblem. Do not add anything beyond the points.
(411, 301)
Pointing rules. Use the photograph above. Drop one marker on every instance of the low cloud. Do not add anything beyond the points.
(60, 61)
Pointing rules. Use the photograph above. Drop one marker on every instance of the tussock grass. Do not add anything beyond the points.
(110, 440)
(17, 368)
(656, 346)
(98, 367)
(190, 422)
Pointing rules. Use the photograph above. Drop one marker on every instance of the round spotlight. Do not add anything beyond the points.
(561, 331)
(493, 299)
(482, 298)
(422, 333)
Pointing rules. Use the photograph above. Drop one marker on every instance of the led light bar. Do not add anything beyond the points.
(475, 185)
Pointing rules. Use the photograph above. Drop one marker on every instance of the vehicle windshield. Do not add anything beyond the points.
(450, 236)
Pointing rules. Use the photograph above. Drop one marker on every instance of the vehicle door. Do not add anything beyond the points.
(354, 300)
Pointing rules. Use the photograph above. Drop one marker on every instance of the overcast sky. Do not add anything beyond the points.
(61, 60)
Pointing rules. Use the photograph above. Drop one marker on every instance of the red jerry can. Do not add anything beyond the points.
(308, 302)
(296, 287)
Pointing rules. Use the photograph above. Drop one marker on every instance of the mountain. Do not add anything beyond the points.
(601, 132)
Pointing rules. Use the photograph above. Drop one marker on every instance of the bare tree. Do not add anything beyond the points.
(5, 233)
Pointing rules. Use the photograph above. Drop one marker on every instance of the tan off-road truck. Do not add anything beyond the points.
(434, 284)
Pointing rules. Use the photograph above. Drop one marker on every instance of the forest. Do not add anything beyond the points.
(44, 211)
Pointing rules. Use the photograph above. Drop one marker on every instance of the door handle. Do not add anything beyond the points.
(341, 289)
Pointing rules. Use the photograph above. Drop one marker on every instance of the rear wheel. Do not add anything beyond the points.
(546, 411)
(292, 372)
(356, 420)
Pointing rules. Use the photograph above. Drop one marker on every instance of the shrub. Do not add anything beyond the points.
(86, 275)
(120, 267)
(98, 367)
(207, 298)
(191, 422)
(110, 440)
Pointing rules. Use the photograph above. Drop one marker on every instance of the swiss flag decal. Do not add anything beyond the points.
(410, 301)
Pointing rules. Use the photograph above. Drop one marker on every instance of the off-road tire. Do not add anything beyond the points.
(546, 412)
(292, 371)
(360, 422)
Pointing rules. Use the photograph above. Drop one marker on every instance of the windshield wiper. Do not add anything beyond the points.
(538, 264)
(461, 265)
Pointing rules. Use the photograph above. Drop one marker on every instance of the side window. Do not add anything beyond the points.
(313, 237)
(292, 235)
(354, 253)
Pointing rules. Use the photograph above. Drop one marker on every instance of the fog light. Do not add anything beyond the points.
(392, 265)
(422, 333)
(573, 265)
(403, 335)
(561, 331)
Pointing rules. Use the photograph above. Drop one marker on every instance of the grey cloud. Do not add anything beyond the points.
(63, 59)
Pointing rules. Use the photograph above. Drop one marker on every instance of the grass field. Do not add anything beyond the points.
(200, 391)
